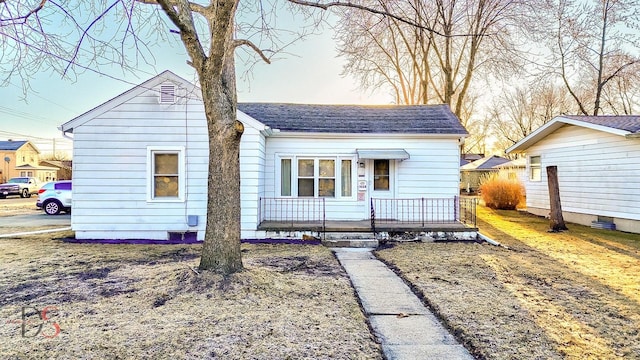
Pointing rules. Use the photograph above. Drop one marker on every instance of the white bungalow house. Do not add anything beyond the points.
(140, 163)
(598, 161)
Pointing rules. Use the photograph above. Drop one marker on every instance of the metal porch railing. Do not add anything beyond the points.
(423, 211)
(298, 213)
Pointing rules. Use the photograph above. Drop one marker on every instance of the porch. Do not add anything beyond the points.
(455, 214)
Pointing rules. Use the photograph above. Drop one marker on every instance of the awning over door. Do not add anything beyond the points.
(379, 154)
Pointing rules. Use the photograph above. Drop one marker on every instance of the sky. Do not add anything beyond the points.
(308, 73)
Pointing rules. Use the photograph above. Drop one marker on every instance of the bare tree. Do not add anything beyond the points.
(519, 112)
(69, 39)
(595, 45)
(435, 66)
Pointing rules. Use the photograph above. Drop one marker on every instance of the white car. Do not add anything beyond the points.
(54, 197)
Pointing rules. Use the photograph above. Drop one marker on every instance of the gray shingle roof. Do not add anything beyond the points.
(486, 163)
(629, 123)
(11, 145)
(410, 119)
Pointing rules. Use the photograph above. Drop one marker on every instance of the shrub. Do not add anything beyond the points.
(501, 193)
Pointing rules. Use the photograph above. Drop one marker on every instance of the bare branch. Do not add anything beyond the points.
(23, 18)
(326, 6)
(183, 19)
(244, 42)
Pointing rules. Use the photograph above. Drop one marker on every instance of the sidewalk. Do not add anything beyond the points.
(404, 327)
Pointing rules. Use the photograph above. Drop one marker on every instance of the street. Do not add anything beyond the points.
(17, 212)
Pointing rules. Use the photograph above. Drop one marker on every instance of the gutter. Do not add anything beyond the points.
(64, 135)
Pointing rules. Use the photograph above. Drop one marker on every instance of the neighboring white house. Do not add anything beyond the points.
(598, 160)
(141, 160)
(514, 170)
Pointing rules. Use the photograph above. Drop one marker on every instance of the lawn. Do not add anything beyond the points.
(137, 301)
(569, 295)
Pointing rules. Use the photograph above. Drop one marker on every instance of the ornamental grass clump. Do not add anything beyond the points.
(499, 192)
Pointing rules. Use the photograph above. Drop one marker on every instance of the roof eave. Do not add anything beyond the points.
(633, 135)
(553, 125)
(288, 133)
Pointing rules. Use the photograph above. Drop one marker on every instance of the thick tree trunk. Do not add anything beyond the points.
(556, 220)
(221, 248)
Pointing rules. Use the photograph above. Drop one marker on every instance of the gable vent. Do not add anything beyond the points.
(167, 94)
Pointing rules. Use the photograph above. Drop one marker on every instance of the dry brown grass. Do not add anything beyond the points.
(573, 295)
(138, 301)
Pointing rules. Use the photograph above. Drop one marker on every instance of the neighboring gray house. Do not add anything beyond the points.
(472, 173)
(598, 160)
(140, 162)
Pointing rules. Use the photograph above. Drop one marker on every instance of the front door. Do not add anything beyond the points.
(381, 181)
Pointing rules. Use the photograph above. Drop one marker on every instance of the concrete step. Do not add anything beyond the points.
(351, 235)
(351, 243)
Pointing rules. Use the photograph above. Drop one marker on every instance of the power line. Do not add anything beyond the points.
(14, 134)
(43, 98)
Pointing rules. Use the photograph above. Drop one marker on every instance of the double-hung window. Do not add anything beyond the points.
(166, 174)
(316, 177)
(535, 168)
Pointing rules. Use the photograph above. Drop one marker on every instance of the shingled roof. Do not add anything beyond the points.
(486, 163)
(629, 123)
(409, 119)
(11, 145)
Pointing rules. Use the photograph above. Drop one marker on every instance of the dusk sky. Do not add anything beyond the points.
(309, 73)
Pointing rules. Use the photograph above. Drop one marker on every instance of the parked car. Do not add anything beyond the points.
(54, 197)
(23, 186)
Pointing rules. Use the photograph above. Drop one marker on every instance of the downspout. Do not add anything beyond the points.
(491, 241)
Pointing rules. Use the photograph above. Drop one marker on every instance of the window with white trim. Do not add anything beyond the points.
(535, 168)
(166, 174)
(328, 177)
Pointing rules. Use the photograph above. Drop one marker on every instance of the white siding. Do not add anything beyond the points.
(111, 145)
(110, 170)
(252, 155)
(432, 171)
(598, 173)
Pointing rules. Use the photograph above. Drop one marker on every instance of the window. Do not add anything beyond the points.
(62, 186)
(381, 175)
(166, 174)
(345, 180)
(316, 177)
(306, 181)
(327, 178)
(535, 168)
(285, 177)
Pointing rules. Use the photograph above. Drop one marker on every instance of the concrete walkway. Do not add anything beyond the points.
(404, 327)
